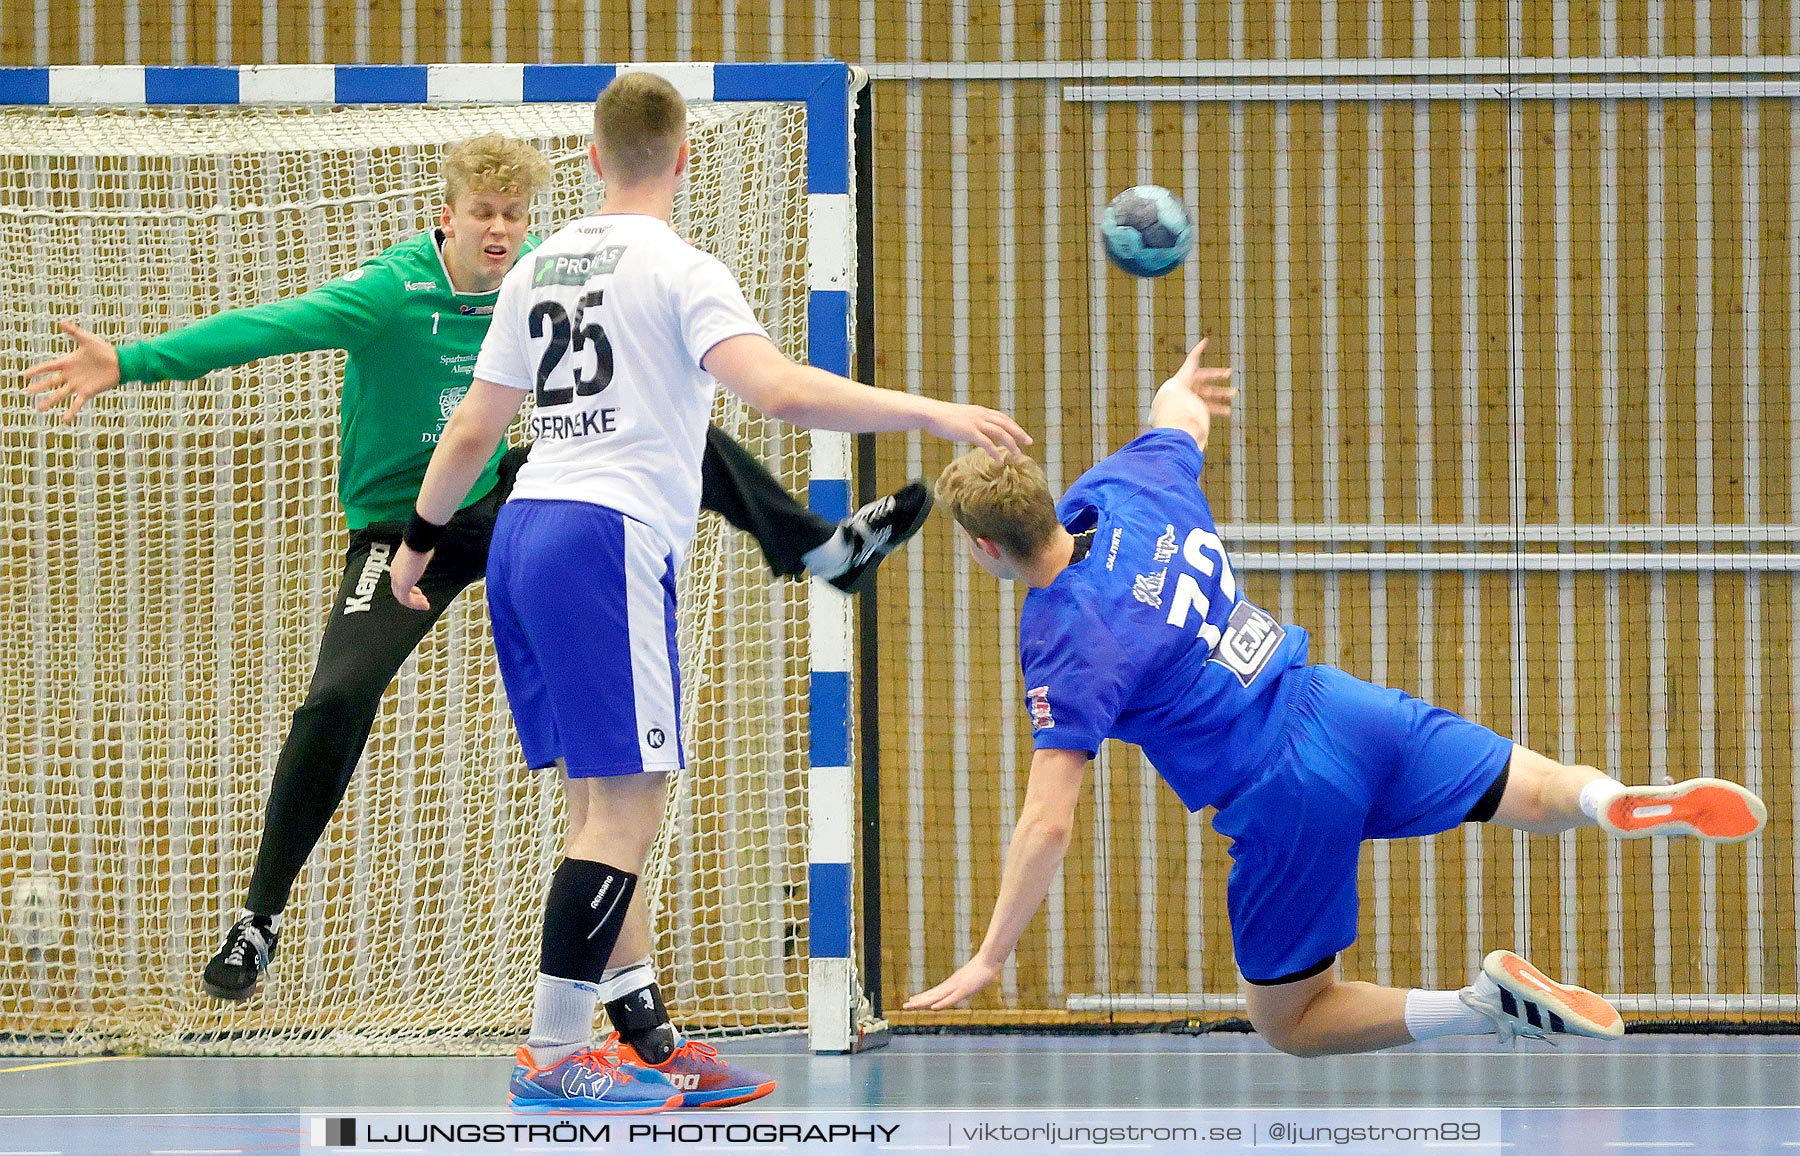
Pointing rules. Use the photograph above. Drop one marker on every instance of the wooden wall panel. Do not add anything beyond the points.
(415, 31)
(1345, 313)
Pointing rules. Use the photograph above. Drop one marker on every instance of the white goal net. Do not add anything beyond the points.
(169, 563)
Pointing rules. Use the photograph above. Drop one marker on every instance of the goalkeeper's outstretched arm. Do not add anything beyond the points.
(342, 314)
(79, 376)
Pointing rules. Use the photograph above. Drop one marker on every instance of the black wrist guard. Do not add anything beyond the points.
(422, 536)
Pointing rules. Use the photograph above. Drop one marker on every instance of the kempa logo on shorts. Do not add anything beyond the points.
(370, 578)
(655, 737)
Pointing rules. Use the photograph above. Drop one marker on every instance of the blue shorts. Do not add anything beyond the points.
(1355, 761)
(582, 600)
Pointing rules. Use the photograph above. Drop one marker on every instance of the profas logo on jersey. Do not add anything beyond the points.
(1038, 700)
(575, 268)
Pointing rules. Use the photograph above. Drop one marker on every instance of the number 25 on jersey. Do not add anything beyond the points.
(577, 336)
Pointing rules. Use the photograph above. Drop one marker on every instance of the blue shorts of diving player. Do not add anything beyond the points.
(582, 600)
(1353, 762)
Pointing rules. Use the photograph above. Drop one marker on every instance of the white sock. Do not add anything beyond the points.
(1430, 1014)
(1598, 795)
(829, 558)
(619, 982)
(562, 1019)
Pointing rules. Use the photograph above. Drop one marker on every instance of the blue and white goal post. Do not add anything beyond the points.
(837, 1012)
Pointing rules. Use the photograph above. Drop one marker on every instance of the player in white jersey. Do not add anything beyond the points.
(620, 329)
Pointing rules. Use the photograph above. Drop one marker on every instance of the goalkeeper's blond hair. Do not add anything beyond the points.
(494, 164)
(640, 122)
(1007, 502)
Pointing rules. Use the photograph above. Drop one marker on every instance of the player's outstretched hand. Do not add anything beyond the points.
(87, 371)
(990, 429)
(404, 573)
(968, 979)
(1211, 384)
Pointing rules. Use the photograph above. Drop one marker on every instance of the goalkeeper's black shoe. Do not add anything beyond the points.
(242, 959)
(877, 530)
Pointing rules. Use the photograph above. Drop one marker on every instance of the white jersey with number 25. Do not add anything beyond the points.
(606, 323)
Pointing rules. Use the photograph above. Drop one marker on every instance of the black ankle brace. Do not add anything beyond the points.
(642, 1021)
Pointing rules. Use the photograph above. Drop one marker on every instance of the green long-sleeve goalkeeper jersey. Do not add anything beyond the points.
(412, 341)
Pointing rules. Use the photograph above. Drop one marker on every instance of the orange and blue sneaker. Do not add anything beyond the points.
(590, 1083)
(704, 1078)
(1711, 809)
(1523, 1001)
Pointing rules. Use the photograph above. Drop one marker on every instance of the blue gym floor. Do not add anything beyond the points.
(976, 1094)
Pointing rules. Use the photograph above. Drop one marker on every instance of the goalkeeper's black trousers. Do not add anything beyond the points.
(369, 636)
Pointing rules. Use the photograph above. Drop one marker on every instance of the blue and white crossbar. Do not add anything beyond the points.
(825, 89)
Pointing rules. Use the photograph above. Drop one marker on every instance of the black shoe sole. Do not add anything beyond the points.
(233, 995)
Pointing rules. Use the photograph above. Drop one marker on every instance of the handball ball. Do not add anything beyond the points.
(1146, 231)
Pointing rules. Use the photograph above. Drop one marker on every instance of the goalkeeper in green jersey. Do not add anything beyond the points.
(412, 320)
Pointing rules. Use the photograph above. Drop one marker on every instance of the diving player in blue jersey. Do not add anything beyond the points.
(1135, 628)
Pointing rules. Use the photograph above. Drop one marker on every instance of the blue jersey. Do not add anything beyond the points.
(1148, 638)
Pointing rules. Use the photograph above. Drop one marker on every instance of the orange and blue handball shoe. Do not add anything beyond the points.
(1711, 809)
(587, 1083)
(704, 1078)
(1523, 1001)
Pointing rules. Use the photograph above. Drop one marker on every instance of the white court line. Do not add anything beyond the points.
(1274, 1055)
(1648, 1144)
(217, 1151)
(66, 1063)
(45, 1152)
